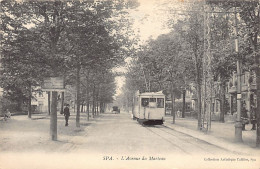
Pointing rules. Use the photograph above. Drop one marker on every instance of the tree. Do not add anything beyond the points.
(94, 37)
(22, 57)
(249, 12)
(64, 34)
(163, 64)
(192, 33)
(222, 53)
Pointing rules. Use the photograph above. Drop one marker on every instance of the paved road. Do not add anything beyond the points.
(116, 136)
(119, 134)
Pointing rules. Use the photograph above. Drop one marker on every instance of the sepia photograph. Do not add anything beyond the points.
(130, 84)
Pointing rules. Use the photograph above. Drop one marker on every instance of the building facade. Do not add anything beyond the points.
(248, 89)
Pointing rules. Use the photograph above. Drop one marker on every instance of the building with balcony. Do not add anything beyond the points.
(216, 95)
(248, 88)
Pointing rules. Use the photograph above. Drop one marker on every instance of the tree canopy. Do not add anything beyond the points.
(55, 38)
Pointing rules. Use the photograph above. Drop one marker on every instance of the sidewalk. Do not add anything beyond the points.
(21, 134)
(220, 134)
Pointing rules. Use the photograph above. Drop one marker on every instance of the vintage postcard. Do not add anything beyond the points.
(126, 84)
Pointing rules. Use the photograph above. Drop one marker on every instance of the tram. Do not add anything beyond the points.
(149, 107)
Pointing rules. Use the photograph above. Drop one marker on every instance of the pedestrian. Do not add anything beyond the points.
(66, 114)
(244, 117)
(253, 116)
(7, 115)
(178, 113)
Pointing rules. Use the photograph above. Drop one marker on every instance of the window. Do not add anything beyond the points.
(145, 102)
(152, 102)
(160, 103)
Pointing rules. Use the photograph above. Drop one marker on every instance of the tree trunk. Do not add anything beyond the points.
(198, 83)
(30, 101)
(88, 109)
(29, 107)
(103, 107)
(222, 102)
(19, 105)
(183, 103)
(53, 118)
(97, 99)
(93, 103)
(97, 107)
(173, 104)
(199, 105)
(82, 106)
(78, 94)
(49, 103)
(62, 102)
(100, 107)
(62, 93)
(87, 93)
(93, 108)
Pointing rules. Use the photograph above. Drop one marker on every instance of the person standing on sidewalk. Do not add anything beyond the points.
(253, 116)
(244, 117)
(66, 114)
(7, 115)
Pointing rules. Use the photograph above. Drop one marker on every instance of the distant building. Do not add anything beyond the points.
(40, 99)
(190, 101)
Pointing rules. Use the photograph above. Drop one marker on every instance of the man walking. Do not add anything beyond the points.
(66, 114)
(244, 116)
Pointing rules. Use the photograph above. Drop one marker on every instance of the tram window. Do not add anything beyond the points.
(145, 102)
(152, 102)
(160, 103)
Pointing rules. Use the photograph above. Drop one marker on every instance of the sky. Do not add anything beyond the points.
(149, 19)
(148, 23)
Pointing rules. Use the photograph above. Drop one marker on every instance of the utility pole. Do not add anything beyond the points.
(207, 71)
(208, 68)
(238, 125)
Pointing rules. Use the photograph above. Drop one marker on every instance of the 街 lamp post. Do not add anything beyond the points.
(238, 125)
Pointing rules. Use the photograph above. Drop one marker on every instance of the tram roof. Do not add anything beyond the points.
(152, 94)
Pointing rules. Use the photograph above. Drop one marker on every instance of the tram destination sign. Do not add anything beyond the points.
(53, 84)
